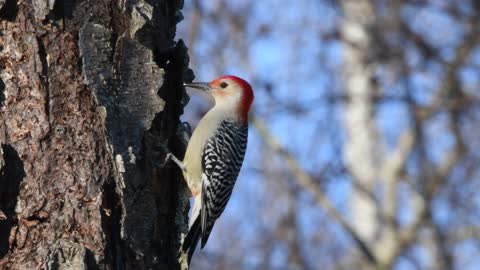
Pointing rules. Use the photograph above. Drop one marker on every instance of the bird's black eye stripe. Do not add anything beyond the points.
(223, 85)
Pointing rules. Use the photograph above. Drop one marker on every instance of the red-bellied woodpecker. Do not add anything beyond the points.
(215, 154)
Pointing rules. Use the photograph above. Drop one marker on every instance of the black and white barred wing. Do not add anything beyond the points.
(221, 162)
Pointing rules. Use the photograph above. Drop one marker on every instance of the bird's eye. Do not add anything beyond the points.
(223, 85)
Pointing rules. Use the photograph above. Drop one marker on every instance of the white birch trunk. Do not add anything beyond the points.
(359, 151)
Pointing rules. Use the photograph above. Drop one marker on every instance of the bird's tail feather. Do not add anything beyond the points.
(191, 240)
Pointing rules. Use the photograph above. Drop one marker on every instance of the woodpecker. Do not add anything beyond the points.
(215, 154)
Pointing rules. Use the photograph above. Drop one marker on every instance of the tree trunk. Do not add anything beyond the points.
(90, 98)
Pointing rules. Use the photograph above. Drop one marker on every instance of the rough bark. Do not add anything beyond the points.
(90, 97)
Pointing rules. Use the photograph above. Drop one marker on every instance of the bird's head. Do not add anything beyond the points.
(229, 92)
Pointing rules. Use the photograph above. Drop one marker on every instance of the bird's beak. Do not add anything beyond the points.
(199, 85)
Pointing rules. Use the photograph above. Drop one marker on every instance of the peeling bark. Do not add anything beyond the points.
(90, 94)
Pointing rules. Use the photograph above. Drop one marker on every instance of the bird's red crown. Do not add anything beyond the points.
(247, 95)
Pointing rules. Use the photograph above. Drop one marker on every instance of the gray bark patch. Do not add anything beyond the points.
(42, 8)
(128, 90)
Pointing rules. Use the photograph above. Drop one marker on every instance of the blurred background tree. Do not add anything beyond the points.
(365, 147)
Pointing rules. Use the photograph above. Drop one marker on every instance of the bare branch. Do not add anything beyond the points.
(305, 181)
(391, 170)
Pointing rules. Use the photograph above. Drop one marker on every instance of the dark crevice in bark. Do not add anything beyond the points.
(111, 218)
(2, 92)
(43, 58)
(63, 9)
(54, 264)
(11, 175)
(2, 84)
(36, 218)
(161, 59)
(79, 63)
(113, 44)
(165, 128)
(118, 20)
(90, 260)
(9, 10)
(42, 54)
(173, 80)
(149, 36)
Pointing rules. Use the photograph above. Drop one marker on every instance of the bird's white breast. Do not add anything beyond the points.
(205, 129)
